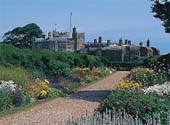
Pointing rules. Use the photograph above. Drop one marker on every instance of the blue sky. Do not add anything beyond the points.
(112, 19)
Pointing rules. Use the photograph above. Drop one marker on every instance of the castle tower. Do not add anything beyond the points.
(74, 37)
(148, 43)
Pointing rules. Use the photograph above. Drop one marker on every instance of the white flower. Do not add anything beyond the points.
(161, 90)
(8, 84)
(46, 81)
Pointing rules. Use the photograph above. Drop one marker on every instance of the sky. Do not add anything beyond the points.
(111, 19)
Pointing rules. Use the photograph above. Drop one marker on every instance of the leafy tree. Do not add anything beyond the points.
(22, 37)
(161, 10)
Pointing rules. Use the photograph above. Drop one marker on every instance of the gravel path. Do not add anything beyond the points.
(54, 112)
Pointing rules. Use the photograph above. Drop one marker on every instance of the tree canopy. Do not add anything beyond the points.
(22, 37)
(161, 10)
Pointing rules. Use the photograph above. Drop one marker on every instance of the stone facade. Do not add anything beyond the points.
(120, 51)
(61, 41)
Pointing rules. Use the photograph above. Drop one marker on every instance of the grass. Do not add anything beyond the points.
(16, 74)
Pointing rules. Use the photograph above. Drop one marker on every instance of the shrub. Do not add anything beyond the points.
(133, 103)
(47, 62)
(17, 95)
(17, 98)
(58, 68)
(41, 89)
(148, 78)
(88, 80)
(5, 99)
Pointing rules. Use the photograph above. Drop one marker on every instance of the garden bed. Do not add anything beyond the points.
(144, 92)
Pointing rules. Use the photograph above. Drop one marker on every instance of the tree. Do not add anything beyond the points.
(161, 10)
(23, 37)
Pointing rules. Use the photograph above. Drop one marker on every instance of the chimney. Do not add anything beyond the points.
(129, 42)
(108, 42)
(100, 40)
(120, 42)
(126, 41)
(95, 42)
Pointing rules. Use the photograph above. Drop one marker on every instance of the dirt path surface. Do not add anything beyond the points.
(54, 112)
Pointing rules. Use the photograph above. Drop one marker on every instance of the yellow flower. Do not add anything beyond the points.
(143, 70)
(110, 72)
(43, 93)
(128, 85)
(80, 69)
(43, 84)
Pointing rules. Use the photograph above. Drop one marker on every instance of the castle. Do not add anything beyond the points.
(120, 51)
(112, 51)
(61, 41)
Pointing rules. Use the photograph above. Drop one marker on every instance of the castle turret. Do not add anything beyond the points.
(74, 30)
(74, 34)
(148, 43)
(74, 37)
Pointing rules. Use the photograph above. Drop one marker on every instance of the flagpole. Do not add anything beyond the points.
(70, 22)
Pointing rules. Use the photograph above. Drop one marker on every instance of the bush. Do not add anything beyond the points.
(5, 99)
(42, 61)
(20, 98)
(88, 80)
(59, 68)
(148, 78)
(17, 98)
(133, 103)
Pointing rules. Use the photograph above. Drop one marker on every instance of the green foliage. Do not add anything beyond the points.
(55, 93)
(138, 102)
(58, 68)
(45, 62)
(22, 37)
(161, 10)
(19, 75)
(88, 80)
(5, 99)
(160, 64)
(149, 78)
(19, 97)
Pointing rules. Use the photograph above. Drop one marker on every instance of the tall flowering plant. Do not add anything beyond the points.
(39, 89)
